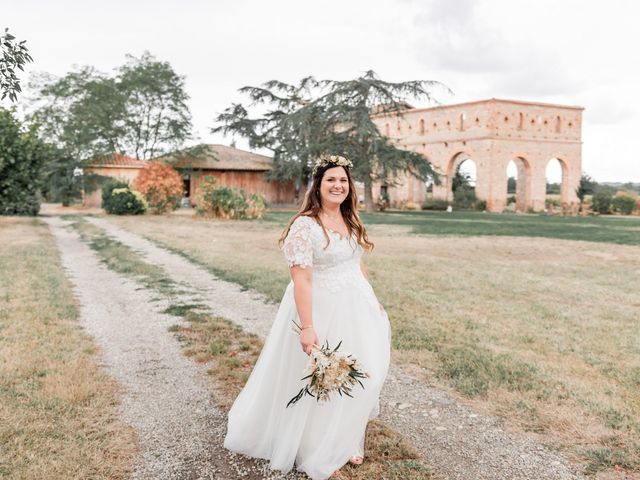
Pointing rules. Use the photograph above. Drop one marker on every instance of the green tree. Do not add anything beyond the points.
(553, 188)
(13, 55)
(156, 118)
(140, 111)
(22, 155)
(334, 117)
(586, 187)
(601, 201)
(624, 203)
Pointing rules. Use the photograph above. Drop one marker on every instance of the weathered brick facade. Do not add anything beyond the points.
(491, 133)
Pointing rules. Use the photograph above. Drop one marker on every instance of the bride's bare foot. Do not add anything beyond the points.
(356, 460)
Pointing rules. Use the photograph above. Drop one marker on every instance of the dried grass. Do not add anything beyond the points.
(550, 326)
(58, 410)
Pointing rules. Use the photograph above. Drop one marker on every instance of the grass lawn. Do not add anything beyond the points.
(58, 410)
(541, 331)
(606, 229)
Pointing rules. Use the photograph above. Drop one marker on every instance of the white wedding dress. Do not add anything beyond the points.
(319, 437)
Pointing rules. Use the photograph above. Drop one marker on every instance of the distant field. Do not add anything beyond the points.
(607, 229)
(541, 331)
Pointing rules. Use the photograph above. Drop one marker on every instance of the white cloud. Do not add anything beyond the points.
(570, 52)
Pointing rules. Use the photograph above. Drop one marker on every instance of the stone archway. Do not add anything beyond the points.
(522, 175)
(492, 133)
(566, 199)
(453, 167)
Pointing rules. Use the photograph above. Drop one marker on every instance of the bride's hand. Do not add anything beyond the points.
(308, 338)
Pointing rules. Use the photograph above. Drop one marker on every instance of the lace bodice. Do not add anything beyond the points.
(334, 265)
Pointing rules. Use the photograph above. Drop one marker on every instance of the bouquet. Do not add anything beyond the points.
(329, 371)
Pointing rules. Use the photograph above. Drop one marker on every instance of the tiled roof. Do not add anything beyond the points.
(221, 157)
(118, 160)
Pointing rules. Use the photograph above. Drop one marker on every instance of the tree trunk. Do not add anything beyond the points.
(368, 194)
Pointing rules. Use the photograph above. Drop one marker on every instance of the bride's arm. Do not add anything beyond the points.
(302, 278)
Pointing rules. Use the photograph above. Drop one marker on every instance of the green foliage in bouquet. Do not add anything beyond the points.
(329, 371)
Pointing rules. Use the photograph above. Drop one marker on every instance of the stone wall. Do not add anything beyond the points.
(491, 133)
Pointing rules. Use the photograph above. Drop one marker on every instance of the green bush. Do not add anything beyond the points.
(624, 204)
(481, 205)
(464, 197)
(108, 187)
(22, 156)
(119, 199)
(435, 204)
(257, 206)
(218, 201)
(601, 202)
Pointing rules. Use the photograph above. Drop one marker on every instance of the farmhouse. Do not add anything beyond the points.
(115, 166)
(231, 166)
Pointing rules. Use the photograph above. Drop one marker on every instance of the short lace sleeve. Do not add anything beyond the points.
(298, 249)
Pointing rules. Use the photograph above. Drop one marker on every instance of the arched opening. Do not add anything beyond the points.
(422, 126)
(461, 181)
(518, 175)
(556, 193)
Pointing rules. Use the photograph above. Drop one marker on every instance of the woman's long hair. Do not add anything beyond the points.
(312, 205)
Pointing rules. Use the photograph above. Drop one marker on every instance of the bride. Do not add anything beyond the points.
(330, 298)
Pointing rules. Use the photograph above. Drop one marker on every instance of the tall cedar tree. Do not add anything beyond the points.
(333, 117)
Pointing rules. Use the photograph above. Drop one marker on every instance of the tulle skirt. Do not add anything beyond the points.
(318, 437)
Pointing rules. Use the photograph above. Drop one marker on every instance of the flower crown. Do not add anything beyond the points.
(336, 160)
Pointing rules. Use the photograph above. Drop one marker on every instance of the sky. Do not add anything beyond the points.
(562, 51)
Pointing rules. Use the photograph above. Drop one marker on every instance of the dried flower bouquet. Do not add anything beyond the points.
(329, 371)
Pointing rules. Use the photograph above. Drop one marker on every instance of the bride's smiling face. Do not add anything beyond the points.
(334, 187)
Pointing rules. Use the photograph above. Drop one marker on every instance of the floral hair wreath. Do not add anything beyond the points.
(336, 160)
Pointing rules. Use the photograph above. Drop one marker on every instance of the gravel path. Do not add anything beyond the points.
(167, 397)
(456, 442)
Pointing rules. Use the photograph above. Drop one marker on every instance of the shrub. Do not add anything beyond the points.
(624, 203)
(257, 206)
(601, 201)
(481, 205)
(21, 160)
(161, 186)
(218, 201)
(435, 204)
(464, 197)
(107, 189)
(119, 199)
